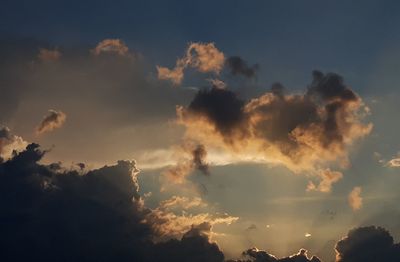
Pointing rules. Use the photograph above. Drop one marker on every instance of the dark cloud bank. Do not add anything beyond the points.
(49, 213)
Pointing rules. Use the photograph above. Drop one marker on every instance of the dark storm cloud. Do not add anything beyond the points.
(237, 66)
(52, 214)
(368, 244)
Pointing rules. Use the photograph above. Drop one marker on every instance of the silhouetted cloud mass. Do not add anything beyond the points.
(53, 214)
(367, 244)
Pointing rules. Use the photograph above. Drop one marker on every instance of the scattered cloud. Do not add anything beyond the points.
(355, 199)
(191, 157)
(327, 179)
(53, 120)
(48, 55)
(204, 57)
(111, 46)
(395, 162)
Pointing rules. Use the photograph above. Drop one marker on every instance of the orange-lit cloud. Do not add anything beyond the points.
(395, 162)
(304, 132)
(203, 57)
(327, 179)
(53, 120)
(168, 224)
(112, 46)
(355, 199)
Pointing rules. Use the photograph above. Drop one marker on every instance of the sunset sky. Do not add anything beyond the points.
(200, 130)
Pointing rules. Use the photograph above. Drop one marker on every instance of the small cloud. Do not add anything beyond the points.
(204, 58)
(238, 66)
(328, 178)
(53, 120)
(217, 83)
(47, 55)
(174, 75)
(111, 46)
(395, 162)
(355, 199)
(251, 227)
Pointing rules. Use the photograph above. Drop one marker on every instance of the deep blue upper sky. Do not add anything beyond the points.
(288, 38)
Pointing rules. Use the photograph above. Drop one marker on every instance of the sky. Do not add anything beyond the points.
(200, 130)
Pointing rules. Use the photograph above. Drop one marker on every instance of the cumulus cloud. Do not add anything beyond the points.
(53, 120)
(237, 66)
(367, 244)
(305, 132)
(49, 55)
(111, 46)
(355, 200)
(204, 57)
(54, 213)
